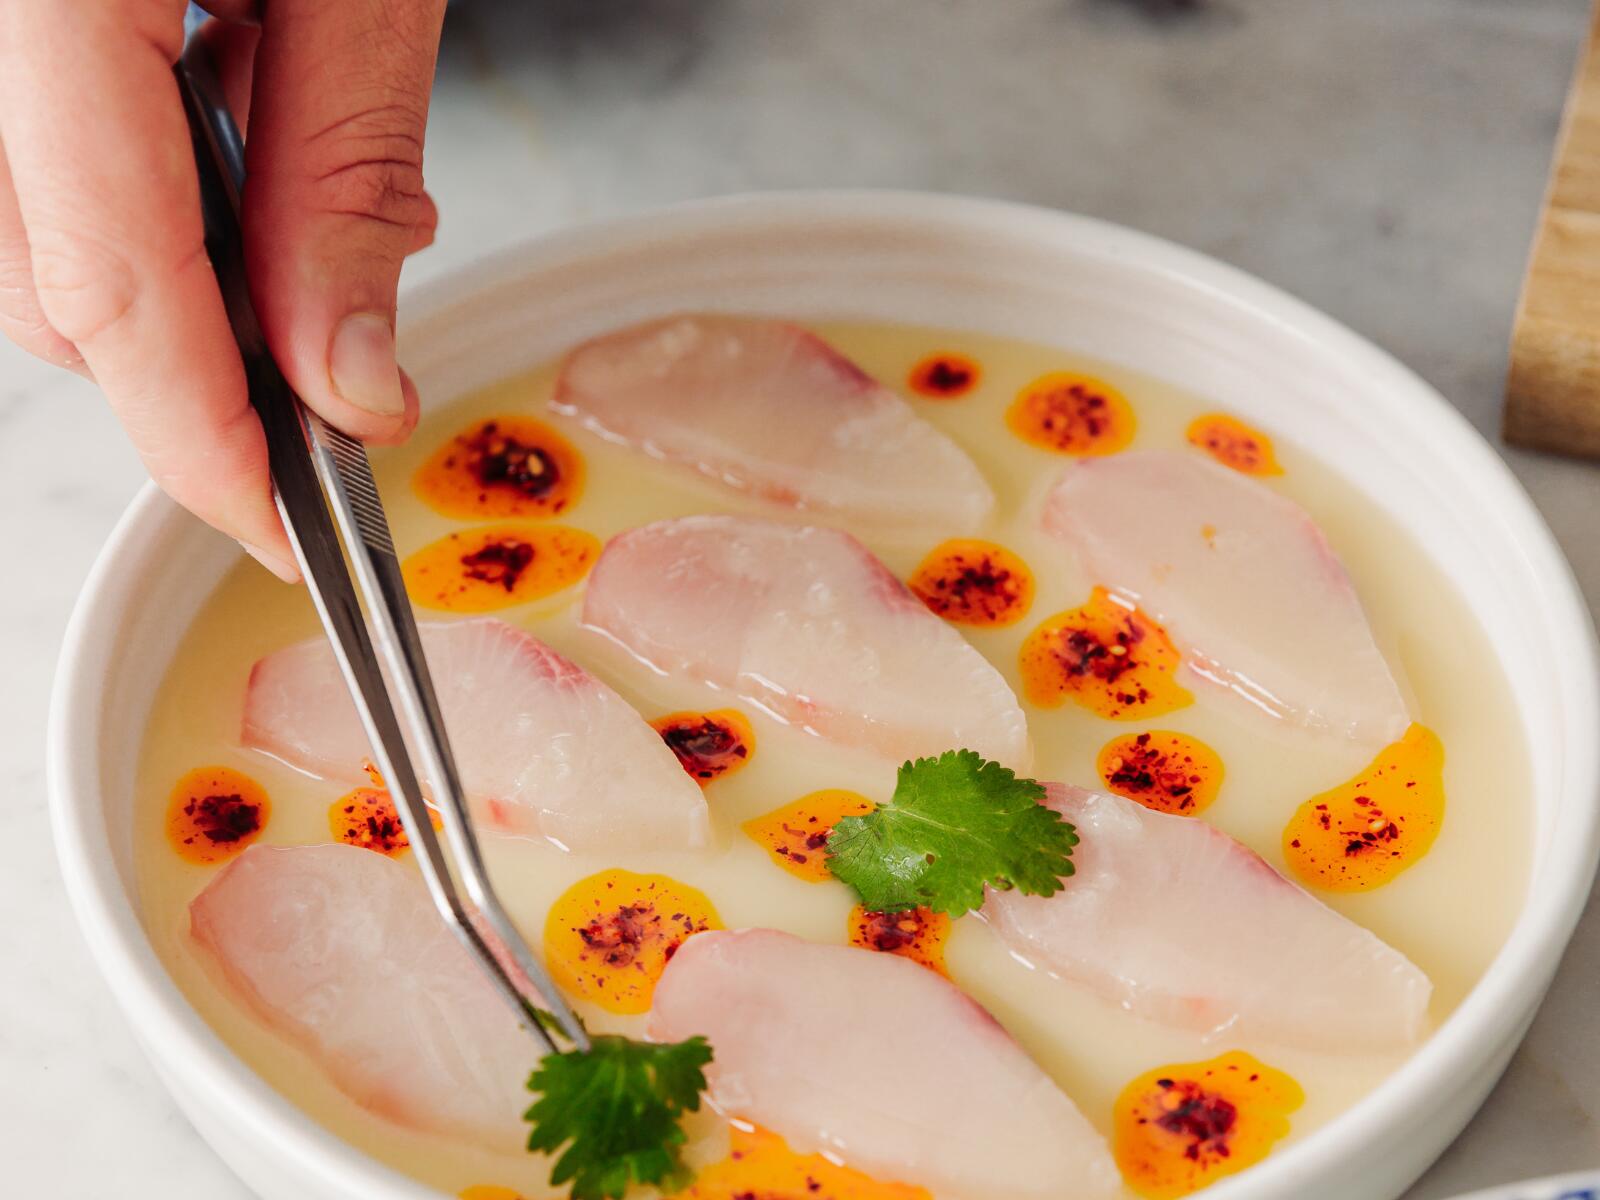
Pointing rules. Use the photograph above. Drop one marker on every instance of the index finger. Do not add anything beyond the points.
(107, 190)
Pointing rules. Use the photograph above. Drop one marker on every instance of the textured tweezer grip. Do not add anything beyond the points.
(355, 472)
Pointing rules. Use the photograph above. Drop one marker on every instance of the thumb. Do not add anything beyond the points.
(334, 201)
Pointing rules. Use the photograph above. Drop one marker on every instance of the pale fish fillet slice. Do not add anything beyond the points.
(768, 408)
(544, 748)
(1179, 923)
(805, 623)
(342, 951)
(1243, 580)
(880, 1063)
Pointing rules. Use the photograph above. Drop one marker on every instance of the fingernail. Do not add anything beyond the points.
(361, 365)
(280, 567)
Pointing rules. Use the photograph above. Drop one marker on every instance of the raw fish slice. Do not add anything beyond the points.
(544, 748)
(341, 950)
(769, 408)
(1244, 582)
(805, 623)
(1179, 923)
(879, 1062)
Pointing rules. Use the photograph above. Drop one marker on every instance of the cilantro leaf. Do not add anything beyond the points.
(616, 1107)
(956, 823)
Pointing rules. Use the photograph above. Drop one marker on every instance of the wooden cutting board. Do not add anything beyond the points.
(1553, 388)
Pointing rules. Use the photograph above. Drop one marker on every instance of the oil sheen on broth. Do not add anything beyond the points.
(1448, 913)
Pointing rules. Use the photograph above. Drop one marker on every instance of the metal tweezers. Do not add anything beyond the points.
(329, 503)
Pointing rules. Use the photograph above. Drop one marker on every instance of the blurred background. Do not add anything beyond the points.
(1382, 159)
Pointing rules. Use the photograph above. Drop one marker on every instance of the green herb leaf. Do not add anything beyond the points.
(616, 1107)
(956, 824)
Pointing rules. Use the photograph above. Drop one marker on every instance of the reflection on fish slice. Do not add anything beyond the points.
(920, 1085)
(1243, 581)
(1179, 923)
(544, 748)
(341, 950)
(805, 623)
(768, 408)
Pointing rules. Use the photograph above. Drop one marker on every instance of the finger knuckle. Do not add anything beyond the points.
(84, 289)
(371, 166)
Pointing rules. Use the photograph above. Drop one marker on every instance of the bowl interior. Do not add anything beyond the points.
(978, 266)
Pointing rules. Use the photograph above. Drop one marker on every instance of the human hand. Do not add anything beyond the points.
(102, 259)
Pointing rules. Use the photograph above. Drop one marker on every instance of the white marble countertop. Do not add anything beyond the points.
(1382, 160)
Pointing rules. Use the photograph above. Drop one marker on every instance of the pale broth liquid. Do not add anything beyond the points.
(1449, 913)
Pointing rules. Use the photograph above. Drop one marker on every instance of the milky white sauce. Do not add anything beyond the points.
(1449, 913)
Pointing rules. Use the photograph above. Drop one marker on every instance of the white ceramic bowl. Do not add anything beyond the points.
(977, 265)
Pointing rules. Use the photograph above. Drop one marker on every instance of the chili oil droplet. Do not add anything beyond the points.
(1182, 1127)
(498, 567)
(1162, 770)
(972, 582)
(944, 376)
(796, 835)
(1074, 414)
(609, 936)
(1106, 656)
(1365, 832)
(1234, 444)
(506, 466)
(214, 813)
(709, 745)
(919, 934)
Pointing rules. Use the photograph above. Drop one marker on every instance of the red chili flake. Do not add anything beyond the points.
(367, 818)
(498, 459)
(1162, 770)
(1178, 1128)
(380, 830)
(708, 745)
(501, 562)
(1111, 659)
(891, 932)
(618, 936)
(915, 933)
(1364, 832)
(974, 582)
(1234, 444)
(796, 835)
(944, 376)
(814, 839)
(609, 937)
(223, 819)
(1190, 1111)
(502, 467)
(623, 933)
(214, 813)
(1072, 414)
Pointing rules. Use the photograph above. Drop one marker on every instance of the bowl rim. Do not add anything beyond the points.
(1493, 1012)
